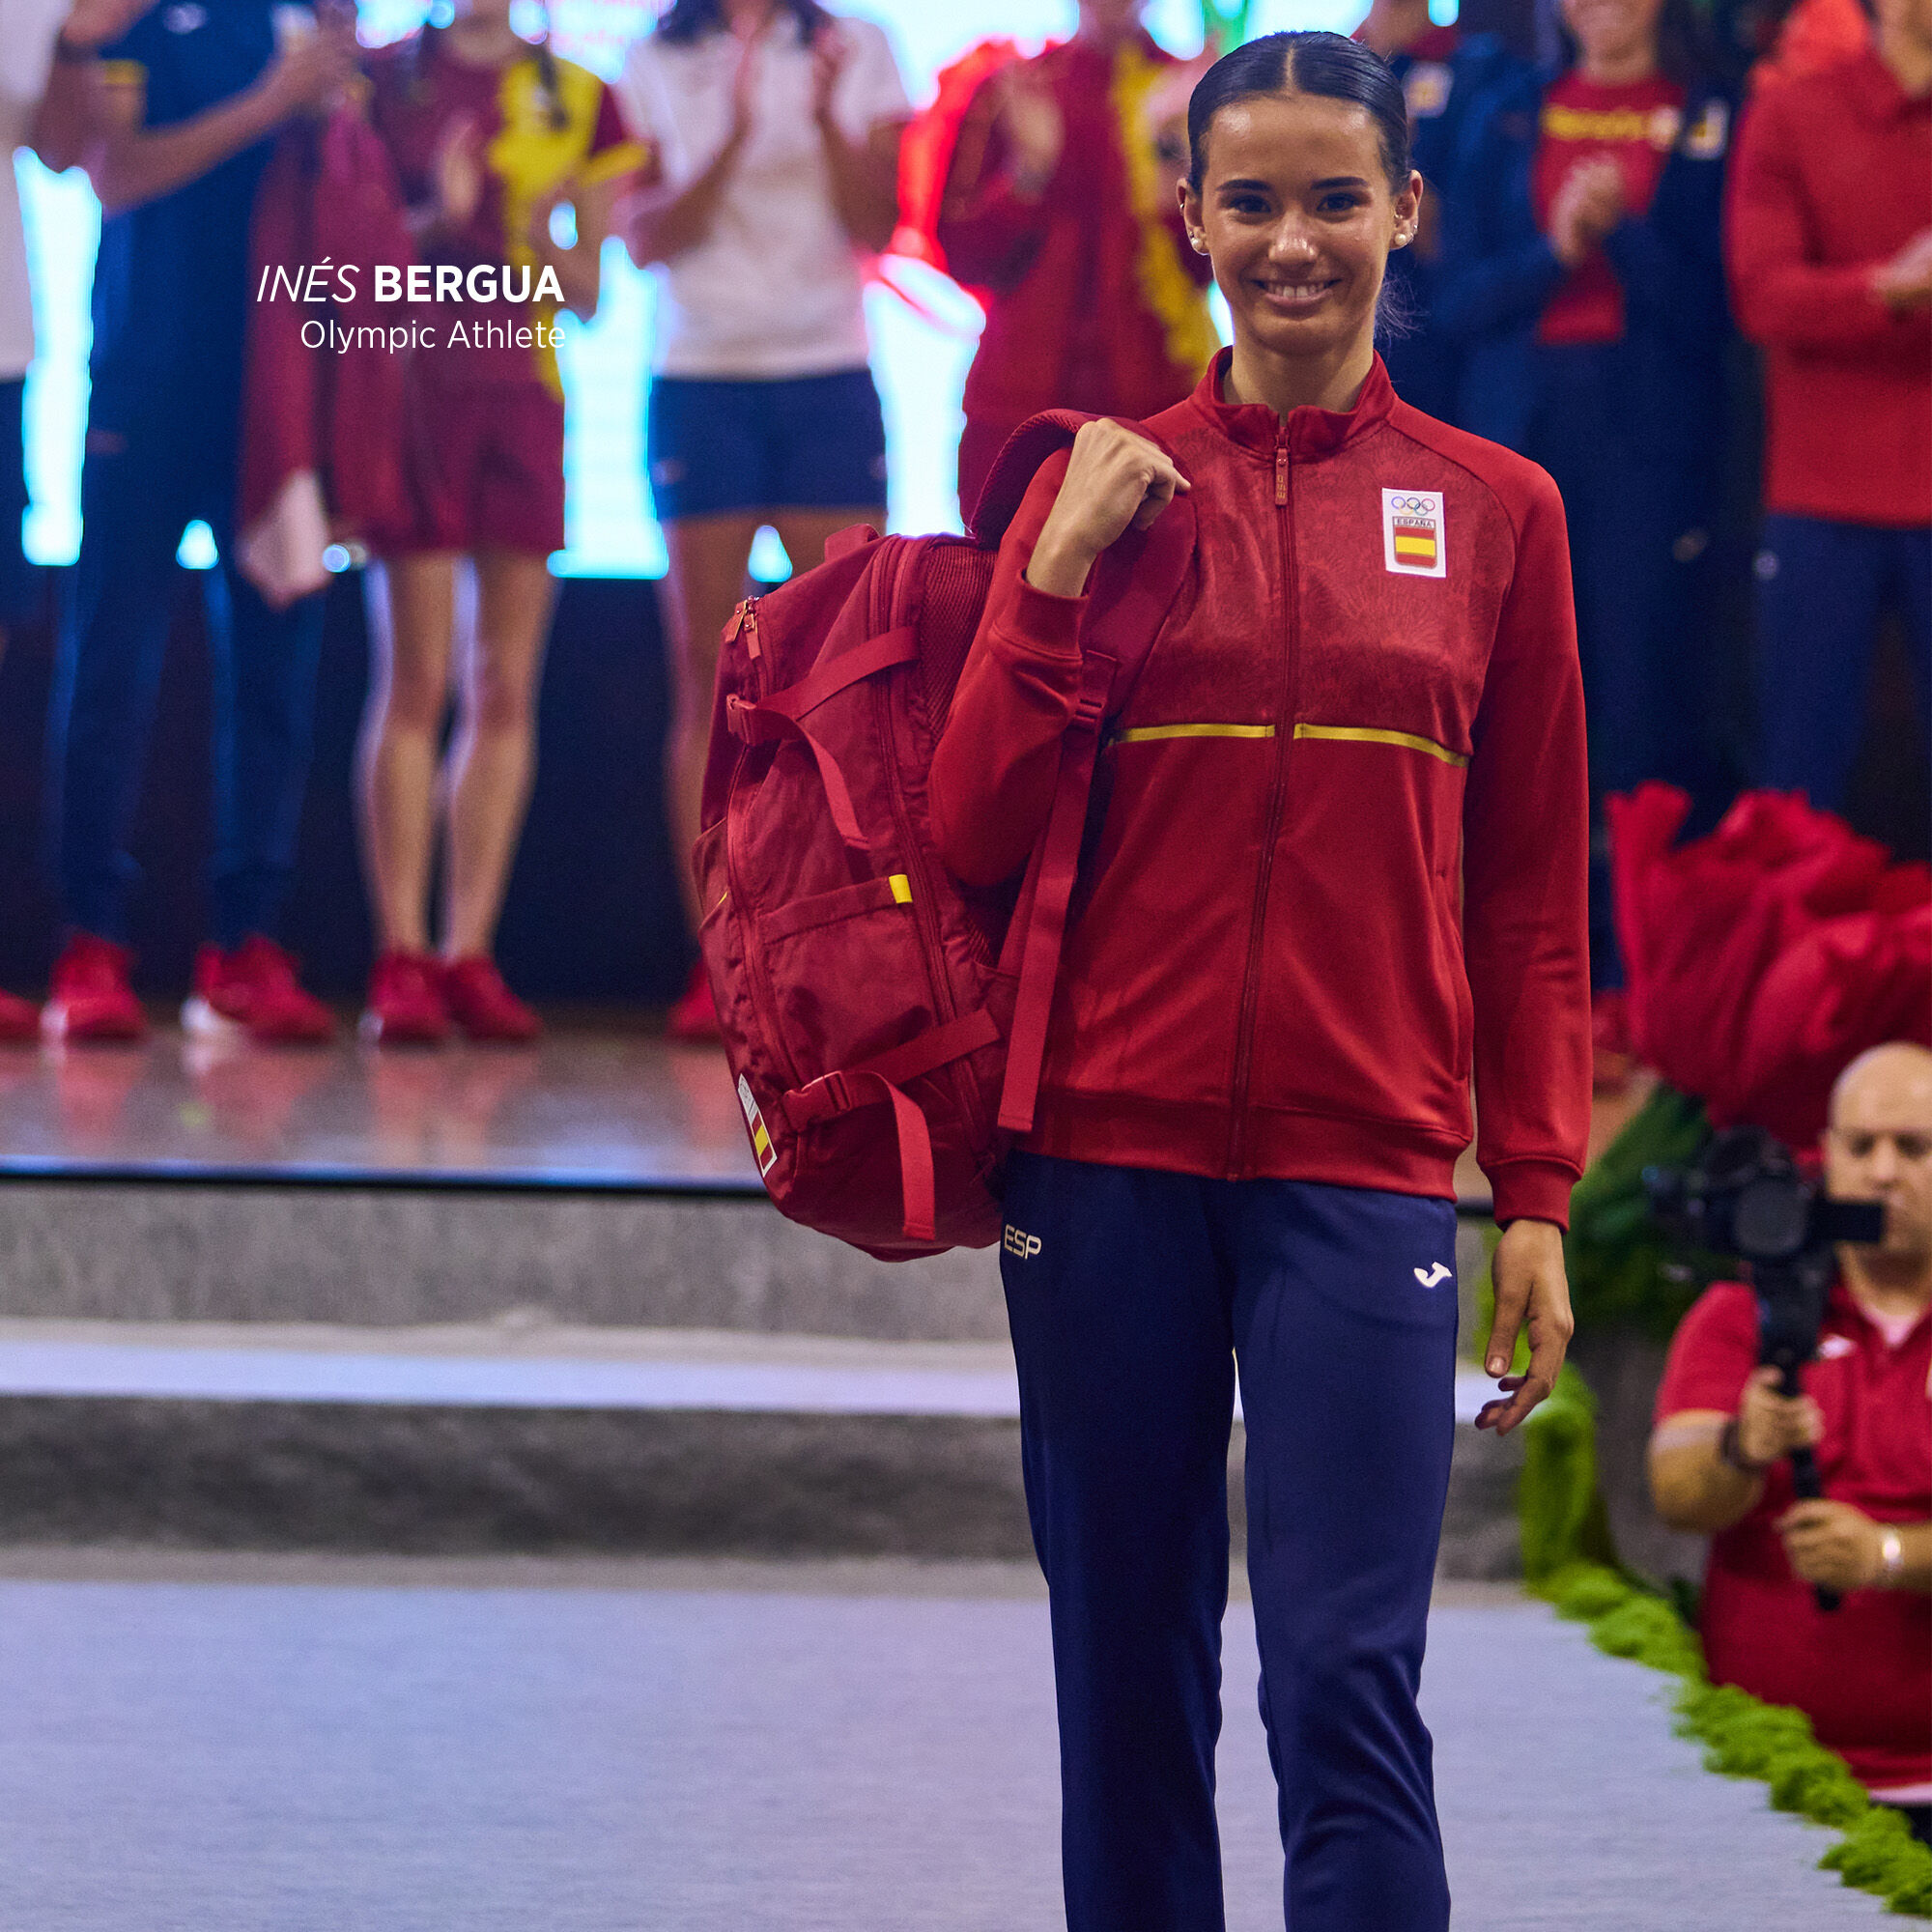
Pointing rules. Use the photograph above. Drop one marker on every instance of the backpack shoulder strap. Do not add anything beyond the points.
(1138, 581)
(1013, 468)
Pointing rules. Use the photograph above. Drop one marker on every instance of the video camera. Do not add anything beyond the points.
(1747, 1199)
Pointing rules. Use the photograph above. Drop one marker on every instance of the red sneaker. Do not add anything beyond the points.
(695, 1017)
(406, 1006)
(482, 1006)
(90, 996)
(254, 990)
(19, 1020)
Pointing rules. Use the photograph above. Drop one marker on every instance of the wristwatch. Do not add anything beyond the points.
(1891, 1558)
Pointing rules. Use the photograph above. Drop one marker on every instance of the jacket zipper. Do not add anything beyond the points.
(1283, 737)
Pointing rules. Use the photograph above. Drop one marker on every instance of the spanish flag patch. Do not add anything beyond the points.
(1413, 539)
(762, 1148)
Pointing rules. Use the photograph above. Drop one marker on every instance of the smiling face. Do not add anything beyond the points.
(1614, 33)
(1299, 217)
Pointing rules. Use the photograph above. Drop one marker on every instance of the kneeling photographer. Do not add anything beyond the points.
(1818, 1591)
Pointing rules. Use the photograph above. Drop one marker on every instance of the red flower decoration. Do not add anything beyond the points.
(1762, 958)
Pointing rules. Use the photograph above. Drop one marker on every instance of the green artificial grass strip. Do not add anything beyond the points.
(1623, 1275)
(1561, 1519)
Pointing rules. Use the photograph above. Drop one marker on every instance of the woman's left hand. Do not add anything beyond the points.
(1532, 1290)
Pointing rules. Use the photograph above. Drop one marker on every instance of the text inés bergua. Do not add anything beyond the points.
(418, 282)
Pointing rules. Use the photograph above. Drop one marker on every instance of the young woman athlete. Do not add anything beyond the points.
(1340, 859)
(774, 132)
(490, 133)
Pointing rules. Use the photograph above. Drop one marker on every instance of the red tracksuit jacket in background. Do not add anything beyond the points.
(1095, 302)
(1833, 176)
(1348, 787)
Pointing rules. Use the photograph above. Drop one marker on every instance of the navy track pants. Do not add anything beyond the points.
(149, 469)
(1821, 588)
(1133, 1295)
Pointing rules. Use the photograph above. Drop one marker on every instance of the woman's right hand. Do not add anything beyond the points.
(1116, 481)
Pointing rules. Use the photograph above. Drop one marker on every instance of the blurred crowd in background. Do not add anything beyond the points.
(1680, 256)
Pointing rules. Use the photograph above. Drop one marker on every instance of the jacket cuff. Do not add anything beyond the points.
(1532, 1190)
(1038, 621)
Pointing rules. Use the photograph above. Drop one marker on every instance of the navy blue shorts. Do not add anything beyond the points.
(805, 442)
(20, 580)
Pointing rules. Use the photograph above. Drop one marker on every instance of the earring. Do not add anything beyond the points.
(1199, 245)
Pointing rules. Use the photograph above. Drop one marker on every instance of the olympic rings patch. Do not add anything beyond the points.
(1414, 539)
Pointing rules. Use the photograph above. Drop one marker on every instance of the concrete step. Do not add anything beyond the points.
(163, 1250)
(524, 1435)
(381, 1256)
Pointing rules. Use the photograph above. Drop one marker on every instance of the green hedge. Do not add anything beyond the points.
(1568, 1561)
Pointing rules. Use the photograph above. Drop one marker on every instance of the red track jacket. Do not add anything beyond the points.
(1070, 323)
(1830, 178)
(1367, 688)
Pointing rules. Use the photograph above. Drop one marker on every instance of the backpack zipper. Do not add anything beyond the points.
(1283, 737)
(885, 597)
(933, 950)
(745, 625)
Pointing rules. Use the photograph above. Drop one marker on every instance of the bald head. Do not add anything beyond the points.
(1897, 1074)
(1879, 1144)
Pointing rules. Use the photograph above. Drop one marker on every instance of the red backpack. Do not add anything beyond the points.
(885, 1025)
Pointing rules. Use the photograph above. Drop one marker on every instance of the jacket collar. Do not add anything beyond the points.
(1311, 433)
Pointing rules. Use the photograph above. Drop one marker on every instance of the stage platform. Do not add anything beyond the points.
(595, 1107)
(603, 1105)
(467, 1300)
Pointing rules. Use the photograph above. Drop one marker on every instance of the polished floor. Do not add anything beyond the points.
(227, 1745)
(595, 1104)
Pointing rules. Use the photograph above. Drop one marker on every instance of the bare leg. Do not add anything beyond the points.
(412, 604)
(493, 758)
(705, 581)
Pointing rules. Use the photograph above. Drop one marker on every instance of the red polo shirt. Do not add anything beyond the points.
(1862, 1673)
(1831, 176)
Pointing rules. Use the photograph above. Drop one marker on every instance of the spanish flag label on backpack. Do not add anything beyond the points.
(761, 1141)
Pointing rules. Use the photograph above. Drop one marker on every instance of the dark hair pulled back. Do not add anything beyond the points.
(684, 21)
(1330, 65)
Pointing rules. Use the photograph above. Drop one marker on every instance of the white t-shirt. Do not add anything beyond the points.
(27, 33)
(773, 289)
